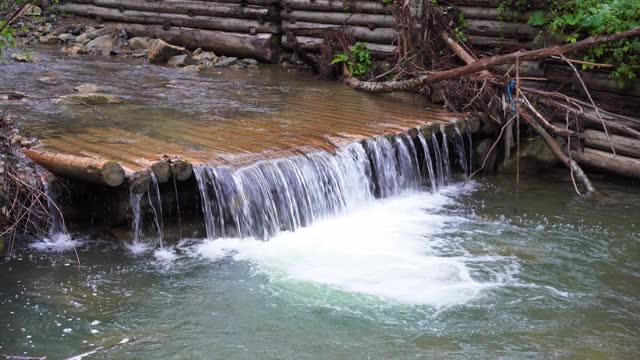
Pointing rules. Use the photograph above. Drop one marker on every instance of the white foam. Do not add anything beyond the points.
(165, 254)
(383, 249)
(137, 248)
(57, 242)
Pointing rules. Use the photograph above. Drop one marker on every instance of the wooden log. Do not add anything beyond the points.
(97, 171)
(482, 13)
(479, 3)
(138, 181)
(313, 44)
(182, 7)
(181, 169)
(261, 46)
(246, 2)
(369, 7)
(340, 18)
(500, 42)
(501, 29)
(162, 171)
(379, 35)
(178, 20)
(607, 162)
(622, 145)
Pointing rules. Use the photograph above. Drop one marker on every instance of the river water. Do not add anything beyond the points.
(471, 271)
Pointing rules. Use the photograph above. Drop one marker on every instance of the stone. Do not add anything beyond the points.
(481, 152)
(86, 89)
(249, 62)
(48, 39)
(66, 37)
(140, 43)
(160, 52)
(87, 99)
(225, 61)
(33, 10)
(191, 68)
(75, 50)
(205, 56)
(83, 38)
(535, 156)
(181, 61)
(107, 30)
(115, 50)
(22, 57)
(197, 51)
(139, 54)
(101, 44)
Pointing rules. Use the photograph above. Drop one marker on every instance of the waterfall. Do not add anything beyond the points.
(135, 201)
(154, 201)
(56, 226)
(438, 160)
(446, 165)
(428, 162)
(156, 208)
(462, 158)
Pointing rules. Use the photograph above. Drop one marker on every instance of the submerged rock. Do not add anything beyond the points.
(160, 52)
(88, 99)
(75, 50)
(534, 157)
(102, 44)
(181, 61)
(86, 89)
(22, 57)
(66, 37)
(225, 61)
(48, 39)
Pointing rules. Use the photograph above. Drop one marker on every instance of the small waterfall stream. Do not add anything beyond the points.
(285, 194)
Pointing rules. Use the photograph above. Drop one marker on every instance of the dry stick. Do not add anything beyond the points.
(485, 64)
(573, 178)
(584, 86)
(584, 62)
(557, 151)
(550, 127)
(484, 162)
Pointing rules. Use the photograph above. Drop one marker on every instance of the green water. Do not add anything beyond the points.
(470, 273)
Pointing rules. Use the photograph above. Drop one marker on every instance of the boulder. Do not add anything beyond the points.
(160, 52)
(481, 152)
(101, 44)
(140, 43)
(66, 37)
(86, 89)
(82, 38)
(181, 61)
(87, 99)
(249, 62)
(534, 157)
(22, 57)
(205, 56)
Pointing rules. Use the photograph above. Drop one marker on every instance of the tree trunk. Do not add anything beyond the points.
(97, 171)
(340, 18)
(622, 145)
(261, 47)
(182, 7)
(607, 162)
(370, 7)
(481, 13)
(145, 17)
(361, 33)
(313, 44)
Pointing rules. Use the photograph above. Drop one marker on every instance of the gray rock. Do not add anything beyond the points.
(83, 38)
(48, 39)
(86, 88)
(115, 50)
(88, 99)
(191, 68)
(101, 44)
(75, 50)
(249, 62)
(66, 37)
(139, 54)
(535, 156)
(181, 61)
(160, 52)
(225, 61)
(140, 43)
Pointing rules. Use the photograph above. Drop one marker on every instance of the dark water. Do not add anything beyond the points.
(470, 272)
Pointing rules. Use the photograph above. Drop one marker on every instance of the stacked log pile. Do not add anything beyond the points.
(247, 28)
(306, 22)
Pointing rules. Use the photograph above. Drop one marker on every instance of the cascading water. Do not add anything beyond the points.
(155, 202)
(462, 158)
(136, 201)
(446, 166)
(286, 194)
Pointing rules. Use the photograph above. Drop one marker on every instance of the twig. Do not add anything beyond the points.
(584, 62)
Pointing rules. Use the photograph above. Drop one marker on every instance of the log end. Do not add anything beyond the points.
(112, 173)
(182, 170)
(140, 181)
(162, 171)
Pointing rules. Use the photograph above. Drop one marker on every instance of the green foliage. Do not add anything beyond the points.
(6, 37)
(358, 59)
(573, 20)
(459, 29)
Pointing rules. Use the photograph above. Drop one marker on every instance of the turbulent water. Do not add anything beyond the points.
(367, 253)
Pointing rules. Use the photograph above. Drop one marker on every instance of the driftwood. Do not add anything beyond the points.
(371, 7)
(182, 20)
(607, 162)
(485, 64)
(340, 18)
(97, 171)
(261, 46)
(361, 33)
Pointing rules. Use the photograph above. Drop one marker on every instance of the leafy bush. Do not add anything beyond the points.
(358, 59)
(573, 20)
(6, 37)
